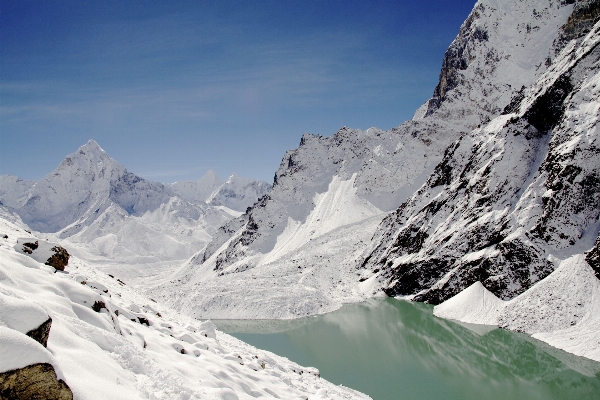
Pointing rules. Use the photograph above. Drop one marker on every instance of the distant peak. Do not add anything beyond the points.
(91, 145)
(87, 155)
(236, 178)
(212, 174)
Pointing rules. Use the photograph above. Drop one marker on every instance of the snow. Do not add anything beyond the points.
(131, 347)
(122, 222)
(18, 350)
(198, 190)
(475, 305)
(297, 251)
(20, 315)
(14, 191)
(41, 254)
(237, 193)
(562, 310)
(337, 207)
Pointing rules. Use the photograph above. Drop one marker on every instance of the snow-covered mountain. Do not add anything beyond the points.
(119, 217)
(83, 186)
(199, 190)
(513, 198)
(14, 191)
(306, 235)
(237, 193)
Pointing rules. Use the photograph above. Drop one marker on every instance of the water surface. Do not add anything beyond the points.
(394, 350)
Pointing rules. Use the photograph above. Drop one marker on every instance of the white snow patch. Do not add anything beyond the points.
(562, 309)
(18, 350)
(475, 305)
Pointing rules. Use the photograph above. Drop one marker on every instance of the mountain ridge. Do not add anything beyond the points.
(501, 50)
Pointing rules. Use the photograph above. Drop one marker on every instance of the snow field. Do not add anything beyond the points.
(109, 341)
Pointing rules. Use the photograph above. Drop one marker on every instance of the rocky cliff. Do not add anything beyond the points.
(512, 198)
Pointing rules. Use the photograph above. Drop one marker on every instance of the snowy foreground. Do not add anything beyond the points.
(562, 310)
(109, 341)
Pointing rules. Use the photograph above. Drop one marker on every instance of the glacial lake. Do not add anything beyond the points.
(397, 350)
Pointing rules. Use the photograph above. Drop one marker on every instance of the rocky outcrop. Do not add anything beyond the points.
(60, 259)
(41, 333)
(30, 247)
(33, 382)
(45, 252)
(581, 21)
(28, 368)
(593, 257)
(457, 58)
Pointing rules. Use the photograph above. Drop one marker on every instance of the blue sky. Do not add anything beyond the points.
(172, 89)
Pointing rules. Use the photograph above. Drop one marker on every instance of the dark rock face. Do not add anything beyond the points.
(60, 259)
(33, 382)
(593, 257)
(456, 59)
(548, 109)
(585, 14)
(41, 333)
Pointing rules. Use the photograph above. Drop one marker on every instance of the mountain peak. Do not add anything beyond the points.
(89, 160)
(210, 175)
(92, 146)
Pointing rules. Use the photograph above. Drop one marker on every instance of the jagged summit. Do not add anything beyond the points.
(92, 162)
(92, 145)
(92, 199)
(87, 181)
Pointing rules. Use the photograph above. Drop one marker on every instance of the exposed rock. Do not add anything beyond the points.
(41, 333)
(60, 259)
(30, 247)
(593, 257)
(98, 305)
(34, 382)
(457, 59)
(585, 14)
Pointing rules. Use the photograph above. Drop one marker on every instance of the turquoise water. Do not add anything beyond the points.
(395, 350)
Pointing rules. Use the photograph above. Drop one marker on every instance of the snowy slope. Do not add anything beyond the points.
(510, 199)
(561, 310)
(333, 184)
(14, 191)
(238, 193)
(109, 341)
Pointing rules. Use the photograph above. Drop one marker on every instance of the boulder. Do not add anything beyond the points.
(41, 333)
(59, 259)
(33, 382)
